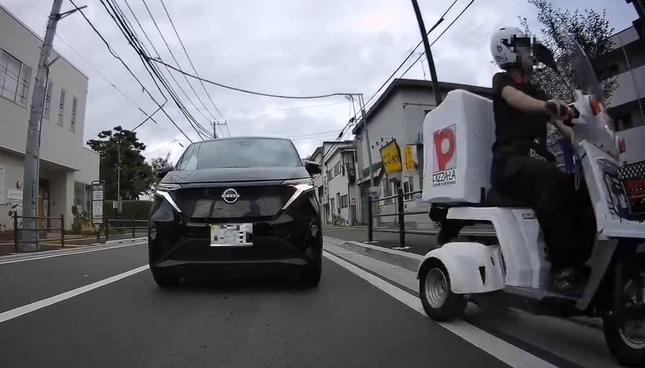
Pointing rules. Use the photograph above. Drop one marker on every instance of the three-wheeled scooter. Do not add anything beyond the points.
(512, 268)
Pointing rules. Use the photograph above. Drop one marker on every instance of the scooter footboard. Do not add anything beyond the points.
(472, 267)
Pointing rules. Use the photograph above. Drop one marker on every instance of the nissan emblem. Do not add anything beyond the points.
(230, 196)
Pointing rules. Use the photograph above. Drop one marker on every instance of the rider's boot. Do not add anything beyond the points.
(570, 281)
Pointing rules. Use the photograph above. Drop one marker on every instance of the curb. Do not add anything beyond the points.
(125, 241)
(411, 261)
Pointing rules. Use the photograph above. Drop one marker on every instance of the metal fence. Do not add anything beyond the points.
(400, 213)
(124, 228)
(17, 229)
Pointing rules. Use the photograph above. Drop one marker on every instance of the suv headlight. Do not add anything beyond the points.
(301, 186)
(163, 190)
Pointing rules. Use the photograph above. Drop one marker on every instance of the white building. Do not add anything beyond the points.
(627, 106)
(335, 186)
(67, 168)
(398, 115)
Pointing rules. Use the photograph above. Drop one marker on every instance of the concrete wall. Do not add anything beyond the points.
(635, 144)
(64, 160)
(24, 45)
(630, 85)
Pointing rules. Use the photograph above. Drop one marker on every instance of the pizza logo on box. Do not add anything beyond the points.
(444, 164)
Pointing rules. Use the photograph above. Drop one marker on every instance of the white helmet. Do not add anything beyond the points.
(503, 43)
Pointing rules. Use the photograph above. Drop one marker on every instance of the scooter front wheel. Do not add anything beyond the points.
(438, 301)
(626, 336)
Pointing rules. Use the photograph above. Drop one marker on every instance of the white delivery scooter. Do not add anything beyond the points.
(512, 270)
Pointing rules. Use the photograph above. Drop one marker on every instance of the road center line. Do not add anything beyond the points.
(69, 253)
(17, 312)
(500, 349)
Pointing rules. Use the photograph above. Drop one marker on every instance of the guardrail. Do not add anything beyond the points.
(124, 226)
(17, 229)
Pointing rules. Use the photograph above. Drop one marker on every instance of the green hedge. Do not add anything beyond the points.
(137, 210)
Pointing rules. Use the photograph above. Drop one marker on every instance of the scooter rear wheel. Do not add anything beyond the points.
(437, 298)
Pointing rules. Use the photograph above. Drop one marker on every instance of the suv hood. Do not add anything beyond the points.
(236, 175)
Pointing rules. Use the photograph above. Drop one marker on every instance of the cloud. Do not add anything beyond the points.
(283, 46)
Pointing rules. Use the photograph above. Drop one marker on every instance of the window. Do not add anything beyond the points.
(243, 153)
(623, 122)
(48, 100)
(408, 187)
(188, 160)
(343, 201)
(15, 78)
(72, 125)
(61, 107)
(337, 168)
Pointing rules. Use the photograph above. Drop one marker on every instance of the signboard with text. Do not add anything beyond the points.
(98, 187)
(408, 160)
(391, 158)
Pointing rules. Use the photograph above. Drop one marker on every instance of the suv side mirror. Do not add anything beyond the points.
(164, 170)
(312, 167)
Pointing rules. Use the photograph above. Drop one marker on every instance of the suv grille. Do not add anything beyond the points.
(253, 202)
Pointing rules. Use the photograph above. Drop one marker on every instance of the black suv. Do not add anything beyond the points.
(242, 205)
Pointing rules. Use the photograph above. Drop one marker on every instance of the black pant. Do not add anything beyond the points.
(565, 215)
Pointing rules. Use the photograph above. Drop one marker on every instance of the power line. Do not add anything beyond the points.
(252, 92)
(187, 114)
(191, 62)
(176, 61)
(411, 53)
(117, 16)
(288, 108)
(106, 79)
(438, 37)
(116, 56)
(395, 71)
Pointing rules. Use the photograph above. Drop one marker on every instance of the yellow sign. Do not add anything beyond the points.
(391, 158)
(408, 159)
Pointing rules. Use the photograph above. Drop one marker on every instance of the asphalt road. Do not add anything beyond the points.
(99, 307)
(345, 322)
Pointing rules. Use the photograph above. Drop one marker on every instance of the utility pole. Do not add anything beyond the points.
(118, 177)
(361, 103)
(32, 147)
(214, 129)
(426, 45)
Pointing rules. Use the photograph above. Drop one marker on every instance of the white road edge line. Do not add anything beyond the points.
(17, 312)
(500, 349)
(70, 253)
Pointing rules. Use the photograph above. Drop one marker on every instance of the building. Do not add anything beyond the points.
(626, 62)
(397, 115)
(67, 168)
(335, 185)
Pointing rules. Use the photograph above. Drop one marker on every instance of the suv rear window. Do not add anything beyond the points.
(240, 152)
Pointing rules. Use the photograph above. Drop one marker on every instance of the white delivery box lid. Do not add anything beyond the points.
(458, 138)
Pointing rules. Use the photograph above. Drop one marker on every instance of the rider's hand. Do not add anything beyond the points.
(558, 109)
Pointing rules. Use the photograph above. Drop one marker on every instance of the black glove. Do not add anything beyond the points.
(557, 108)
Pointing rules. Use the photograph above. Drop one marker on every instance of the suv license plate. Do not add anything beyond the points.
(231, 235)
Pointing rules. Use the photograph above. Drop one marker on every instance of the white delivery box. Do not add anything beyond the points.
(458, 138)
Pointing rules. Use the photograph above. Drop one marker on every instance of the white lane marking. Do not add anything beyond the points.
(500, 349)
(69, 253)
(17, 312)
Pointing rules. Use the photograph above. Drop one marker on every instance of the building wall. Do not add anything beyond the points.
(64, 160)
(338, 186)
(57, 140)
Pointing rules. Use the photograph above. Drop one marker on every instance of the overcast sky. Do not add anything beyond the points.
(295, 47)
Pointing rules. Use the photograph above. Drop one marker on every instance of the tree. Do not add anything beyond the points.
(156, 164)
(136, 175)
(591, 30)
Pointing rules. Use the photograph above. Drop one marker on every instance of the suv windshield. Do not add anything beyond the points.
(240, 152)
